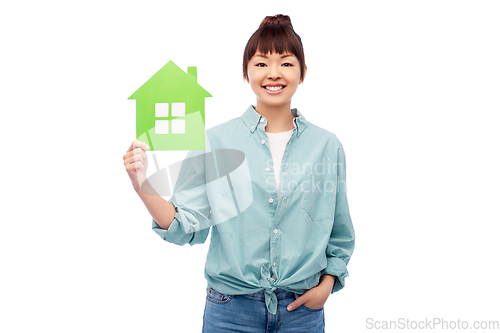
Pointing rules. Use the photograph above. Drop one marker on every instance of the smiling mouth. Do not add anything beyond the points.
(274, 88)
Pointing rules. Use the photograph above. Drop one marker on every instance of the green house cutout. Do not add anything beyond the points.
(170, 110)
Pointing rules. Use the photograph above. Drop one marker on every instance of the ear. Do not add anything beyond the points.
(304, 76)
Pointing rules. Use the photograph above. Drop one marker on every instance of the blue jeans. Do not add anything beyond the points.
(248, 313)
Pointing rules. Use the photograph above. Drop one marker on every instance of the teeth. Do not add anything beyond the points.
(275, 88)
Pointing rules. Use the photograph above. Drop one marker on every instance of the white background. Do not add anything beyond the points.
(411, 88)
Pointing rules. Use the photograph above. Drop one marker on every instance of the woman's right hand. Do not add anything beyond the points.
(136, 163)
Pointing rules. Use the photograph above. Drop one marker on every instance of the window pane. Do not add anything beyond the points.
(178, 126)
(161, 110)
(178, 109)
(161, 126)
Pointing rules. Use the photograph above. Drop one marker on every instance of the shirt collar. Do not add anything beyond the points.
(252, 119)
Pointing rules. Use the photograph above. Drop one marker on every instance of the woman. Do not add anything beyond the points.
(282, 239)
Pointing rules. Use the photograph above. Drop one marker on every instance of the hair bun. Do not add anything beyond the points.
(277, 20)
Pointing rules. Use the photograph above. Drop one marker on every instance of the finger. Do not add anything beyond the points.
(295, 304)
(292, 306)
(135, 158)
(130, 168)
(134, 167)
(139, 166)
(136, 152)
(138, 144)
(140, 152)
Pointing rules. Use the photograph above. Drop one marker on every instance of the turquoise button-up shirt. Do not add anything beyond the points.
(260, 241)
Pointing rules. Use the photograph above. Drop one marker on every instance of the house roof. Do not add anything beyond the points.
(171, 82)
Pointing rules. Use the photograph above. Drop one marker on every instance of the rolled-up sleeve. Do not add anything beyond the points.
(192, 219)
(341, 244)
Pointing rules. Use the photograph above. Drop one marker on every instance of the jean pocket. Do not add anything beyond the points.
(218, 298)
(312, 309)
(306, 307)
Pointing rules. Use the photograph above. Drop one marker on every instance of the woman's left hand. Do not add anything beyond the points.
(314, 298)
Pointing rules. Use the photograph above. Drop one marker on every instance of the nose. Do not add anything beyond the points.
(274, 73)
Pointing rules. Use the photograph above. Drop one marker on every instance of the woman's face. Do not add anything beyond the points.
(274, 78)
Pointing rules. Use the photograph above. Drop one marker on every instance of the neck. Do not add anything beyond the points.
(279, 118)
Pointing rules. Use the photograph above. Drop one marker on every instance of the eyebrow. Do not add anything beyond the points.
(283, 56)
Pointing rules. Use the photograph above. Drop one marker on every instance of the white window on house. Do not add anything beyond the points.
(177, 121)
(178, 125)
(161, 126)
(161, 110)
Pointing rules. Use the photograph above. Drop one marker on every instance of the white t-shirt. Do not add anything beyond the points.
(277, 144)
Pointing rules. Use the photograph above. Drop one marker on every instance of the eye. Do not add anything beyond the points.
(287, 64)
(260, 64)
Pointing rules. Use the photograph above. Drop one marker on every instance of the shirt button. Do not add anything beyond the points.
(274, 264)
(284, 171)
(275, 231)
(253, 127)
(271, 200)
(268, 169)
(261, 120)
(283, 199)
(263, 141)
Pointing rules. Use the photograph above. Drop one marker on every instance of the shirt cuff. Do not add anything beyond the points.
(338, 268)
(175, 232)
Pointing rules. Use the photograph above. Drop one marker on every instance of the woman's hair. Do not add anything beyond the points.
(275, 34)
